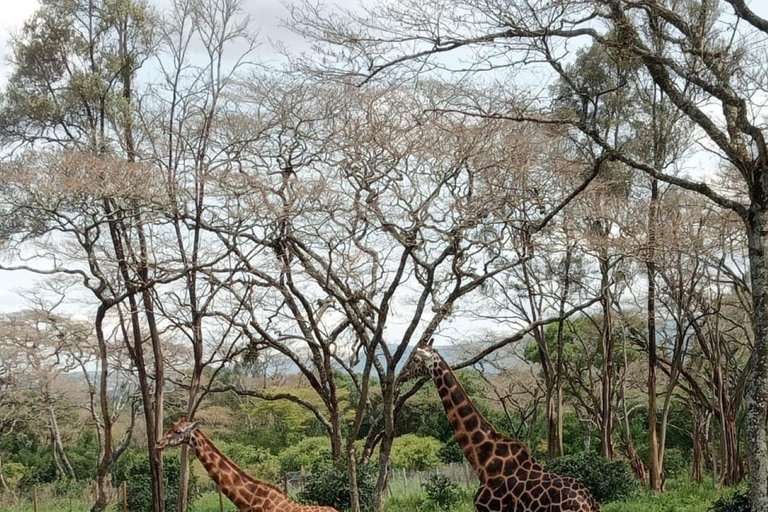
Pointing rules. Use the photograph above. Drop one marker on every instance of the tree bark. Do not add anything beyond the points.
(606, 423)
(757, 382)
(654, 462)
(560, 368)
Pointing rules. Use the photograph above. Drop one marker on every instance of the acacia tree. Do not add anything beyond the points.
(354, 211)
(69, 97)
(189, 128)
(705, 59)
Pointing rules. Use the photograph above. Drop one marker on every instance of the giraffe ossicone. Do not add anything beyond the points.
(510, 479)
(245, 491)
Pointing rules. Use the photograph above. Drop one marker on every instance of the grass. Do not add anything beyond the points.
(682, 496)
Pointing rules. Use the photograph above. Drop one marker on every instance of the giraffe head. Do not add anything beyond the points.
(420, 364)
(180, 432)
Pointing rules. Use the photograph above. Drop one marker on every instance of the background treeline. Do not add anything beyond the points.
(259, 249)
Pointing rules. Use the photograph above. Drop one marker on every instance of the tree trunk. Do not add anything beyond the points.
(3, 482)
(354, 491)
(637, 464)
(606, 424)
(731, 473)
(698, 437)
(552, 442)
(654, 459)
(382, 483)
(58, 447)
(560, 366)
(757, 381)
(105, 449)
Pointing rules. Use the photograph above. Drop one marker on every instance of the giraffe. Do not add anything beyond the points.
(510, 479)
(247, 493)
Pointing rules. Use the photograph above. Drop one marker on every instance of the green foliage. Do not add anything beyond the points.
(451, 452)
(133, 468)
(68, 488)
(415, 453)
(14, 472)
(682, 495)
(676, 463)
(574, 432)
(608, 480)
(417, 502)
(736, 502)
(442, 493)
(84, 455)
(258, 462)
(308, 453)
(328, 485)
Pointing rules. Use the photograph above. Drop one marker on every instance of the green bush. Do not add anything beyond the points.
(415, 453)
(451, 452)
(608, 480)
(133, 468)
(307, 453)
(84, 456)
(14, 472)
(328, 485)
(442, 493)
(258, 462)
(736, 502)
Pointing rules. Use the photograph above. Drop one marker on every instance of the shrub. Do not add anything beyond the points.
(84, 456)
(328, 485)
(608, 480)
(307, 453)
(255, 461)
(451, 452)
(14, 472)
(737, 502)
(442, 493)
(133, 469)
(415, 453)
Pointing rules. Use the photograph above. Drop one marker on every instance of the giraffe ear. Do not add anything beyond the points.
(194, 426)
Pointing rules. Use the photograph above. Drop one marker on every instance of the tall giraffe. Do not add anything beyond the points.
(510, 480)
(247, 493)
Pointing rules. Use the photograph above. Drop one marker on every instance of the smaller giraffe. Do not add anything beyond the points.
(510, 480)
(247, 493)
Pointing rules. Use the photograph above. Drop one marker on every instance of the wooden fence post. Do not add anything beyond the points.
(34, 498)
(125, 496)
(285, 483)
(221, 500)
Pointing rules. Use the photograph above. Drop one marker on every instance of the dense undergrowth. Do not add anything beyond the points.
(682, 495)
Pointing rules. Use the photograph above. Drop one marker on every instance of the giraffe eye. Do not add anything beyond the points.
(177, 431)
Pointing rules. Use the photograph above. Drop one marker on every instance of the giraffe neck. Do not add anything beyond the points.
(242, 489)
(471, 429)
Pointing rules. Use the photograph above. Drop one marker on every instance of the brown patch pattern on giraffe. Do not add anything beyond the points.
(246, 492)
(510, 479)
